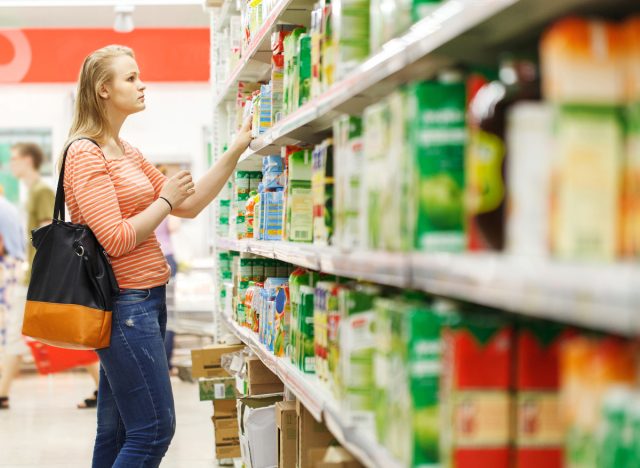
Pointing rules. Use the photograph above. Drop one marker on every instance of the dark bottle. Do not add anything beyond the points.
(487, 156)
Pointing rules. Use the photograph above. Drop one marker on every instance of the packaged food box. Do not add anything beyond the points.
(438, 136)
(476, 398)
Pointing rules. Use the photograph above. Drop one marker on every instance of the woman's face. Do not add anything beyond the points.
(125, 92)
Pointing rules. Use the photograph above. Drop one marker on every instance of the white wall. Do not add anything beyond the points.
(171, 129)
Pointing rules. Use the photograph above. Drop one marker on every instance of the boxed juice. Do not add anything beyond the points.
(475, 391)
(298, 278)
(575, 47)
(290, 70)
(408, 365)
(282, 320)
(398, 200)
(376, 149)
(273, 214)
(299, 217)
(631, 204)
(357, 345)
(325, 301)
(350, 29)
(333, 339)
(315, 32)
(383, 308)
(322, 192)
(416, 366)
(304, 72)
(590, 366)
(586, 190)
(327, 47)
(438, 136)
(530, 148)
(348, 150)
(305, 342)
(539, 434)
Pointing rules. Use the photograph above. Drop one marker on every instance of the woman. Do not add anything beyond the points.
(123, 199)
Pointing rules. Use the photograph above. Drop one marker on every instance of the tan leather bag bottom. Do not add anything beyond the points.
(67, 325)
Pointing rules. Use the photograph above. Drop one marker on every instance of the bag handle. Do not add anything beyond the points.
(58, 207)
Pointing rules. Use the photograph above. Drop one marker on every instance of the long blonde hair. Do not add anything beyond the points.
(89, 113)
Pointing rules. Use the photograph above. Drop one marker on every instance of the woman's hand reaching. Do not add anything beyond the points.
(243, 138)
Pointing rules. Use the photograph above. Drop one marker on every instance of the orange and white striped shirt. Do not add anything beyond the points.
(104, 195)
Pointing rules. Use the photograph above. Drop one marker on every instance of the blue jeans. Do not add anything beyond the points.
(136, 415)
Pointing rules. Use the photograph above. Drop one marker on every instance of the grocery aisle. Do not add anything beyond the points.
(46, 406)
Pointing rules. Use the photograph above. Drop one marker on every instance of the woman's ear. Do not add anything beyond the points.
(103, 91)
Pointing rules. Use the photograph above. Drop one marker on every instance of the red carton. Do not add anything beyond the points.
(539, 435)
(476, 397)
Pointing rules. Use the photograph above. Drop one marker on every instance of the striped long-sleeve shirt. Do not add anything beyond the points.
(104, 194)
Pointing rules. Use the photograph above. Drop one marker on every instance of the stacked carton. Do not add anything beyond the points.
(216, 384)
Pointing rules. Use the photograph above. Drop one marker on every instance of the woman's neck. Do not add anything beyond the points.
(116, 120)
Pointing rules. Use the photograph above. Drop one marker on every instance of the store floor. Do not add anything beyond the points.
(44, 429)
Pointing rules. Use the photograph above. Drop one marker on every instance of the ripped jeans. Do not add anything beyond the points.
(136, 415)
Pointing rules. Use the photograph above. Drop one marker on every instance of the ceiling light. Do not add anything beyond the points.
(124, 19)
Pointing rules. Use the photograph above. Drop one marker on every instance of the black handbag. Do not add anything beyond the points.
(69, 300)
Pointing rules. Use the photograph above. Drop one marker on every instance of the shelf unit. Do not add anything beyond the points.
(468, 30)
(603, 297)
(317, 400)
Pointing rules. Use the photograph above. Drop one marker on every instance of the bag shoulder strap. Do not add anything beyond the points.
(58, 207)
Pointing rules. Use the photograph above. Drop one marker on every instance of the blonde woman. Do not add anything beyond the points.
(123, 198)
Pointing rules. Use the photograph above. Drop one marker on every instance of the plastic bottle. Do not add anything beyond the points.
(486, 151)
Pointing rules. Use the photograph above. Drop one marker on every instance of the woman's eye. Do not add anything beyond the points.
(131, 78)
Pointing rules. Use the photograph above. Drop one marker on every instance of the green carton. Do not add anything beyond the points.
(221, 388)
(438, 136)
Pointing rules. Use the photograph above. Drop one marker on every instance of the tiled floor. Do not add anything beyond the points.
(44, 429)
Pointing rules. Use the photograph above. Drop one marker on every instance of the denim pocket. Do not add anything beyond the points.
(133, 296)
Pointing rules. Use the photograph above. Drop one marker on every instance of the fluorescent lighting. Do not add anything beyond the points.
(91, 3)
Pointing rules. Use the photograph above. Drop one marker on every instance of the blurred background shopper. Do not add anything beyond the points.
(26, 161)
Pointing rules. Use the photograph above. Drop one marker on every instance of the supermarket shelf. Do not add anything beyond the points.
(603, 297)
(255, 64)
(458, 31)
(317, 400)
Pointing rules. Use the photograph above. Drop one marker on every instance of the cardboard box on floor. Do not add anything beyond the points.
(257, 419)
(227, 451)
(332, 457)
(227, 436)
(287, 424)
(260, 379)
(205, 362)
(227, 423)
(223, 409)
(311, 434)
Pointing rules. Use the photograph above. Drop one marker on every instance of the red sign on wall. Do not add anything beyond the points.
(56, 55)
